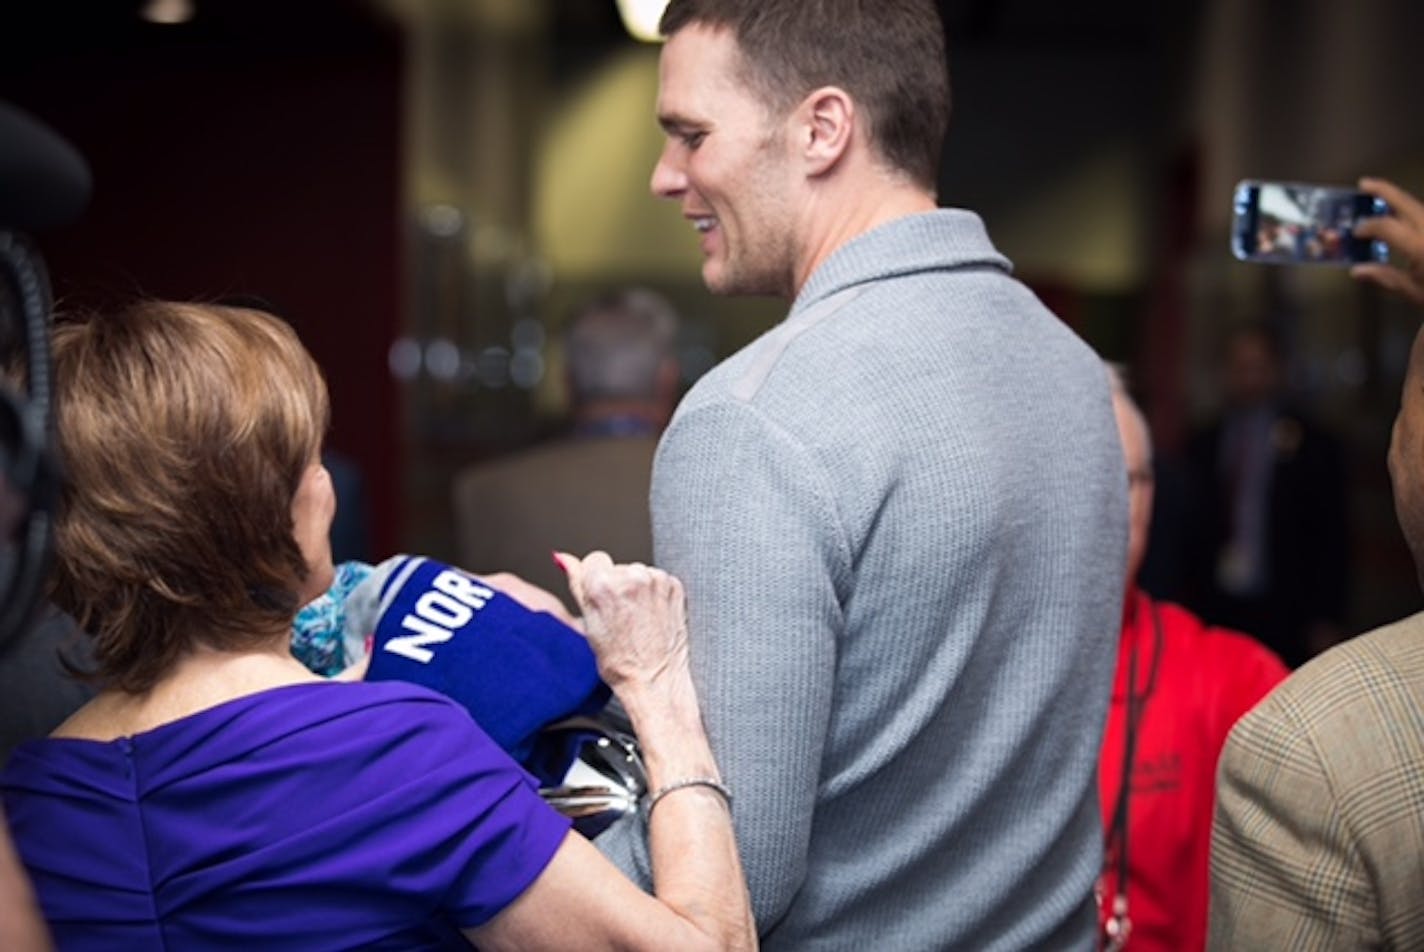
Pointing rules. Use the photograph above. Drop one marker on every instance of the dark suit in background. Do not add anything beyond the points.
(36, 693)
(1268, 546)
(575, 495)
(588, 490)
(1297, 591)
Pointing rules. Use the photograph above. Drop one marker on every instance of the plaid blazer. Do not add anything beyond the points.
(1318, 838)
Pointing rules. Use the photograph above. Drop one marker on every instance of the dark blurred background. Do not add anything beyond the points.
(424, 188)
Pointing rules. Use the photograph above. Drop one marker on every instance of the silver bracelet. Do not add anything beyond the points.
(711, 783)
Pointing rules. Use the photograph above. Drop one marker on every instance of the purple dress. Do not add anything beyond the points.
(313, 816)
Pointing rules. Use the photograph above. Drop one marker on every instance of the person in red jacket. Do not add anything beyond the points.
(1180, 686)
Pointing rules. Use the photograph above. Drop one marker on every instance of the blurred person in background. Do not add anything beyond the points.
(1269, 549)
(1318, 838)
(589, 488)
(37, 685)
(1179, 688)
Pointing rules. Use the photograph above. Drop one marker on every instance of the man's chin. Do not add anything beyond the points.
(721, 281)
(716, 278)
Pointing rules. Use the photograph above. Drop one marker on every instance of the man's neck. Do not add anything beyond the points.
(845, 207)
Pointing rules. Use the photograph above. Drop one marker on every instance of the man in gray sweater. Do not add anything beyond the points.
(900, 515)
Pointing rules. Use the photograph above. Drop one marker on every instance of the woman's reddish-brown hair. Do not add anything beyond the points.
(183, 432)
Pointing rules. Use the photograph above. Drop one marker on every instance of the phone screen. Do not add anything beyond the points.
(1290, 223)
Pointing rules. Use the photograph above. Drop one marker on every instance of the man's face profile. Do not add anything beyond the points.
(724, 162)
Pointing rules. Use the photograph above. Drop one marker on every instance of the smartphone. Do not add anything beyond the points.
(1291, 223)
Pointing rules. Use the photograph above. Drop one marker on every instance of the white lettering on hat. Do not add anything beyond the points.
(438, 614)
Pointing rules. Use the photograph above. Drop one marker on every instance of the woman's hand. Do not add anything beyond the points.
(636, 623)
(635, 619)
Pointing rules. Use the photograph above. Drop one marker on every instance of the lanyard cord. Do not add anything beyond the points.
(1117, 833)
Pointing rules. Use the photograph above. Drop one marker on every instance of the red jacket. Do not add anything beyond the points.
(1190, 696)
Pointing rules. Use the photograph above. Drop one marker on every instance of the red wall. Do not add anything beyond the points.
(238, 161)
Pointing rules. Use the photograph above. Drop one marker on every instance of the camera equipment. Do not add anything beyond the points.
(43, 183)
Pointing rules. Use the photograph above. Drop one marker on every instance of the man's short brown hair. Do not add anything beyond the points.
(184, 431)
(889, 55)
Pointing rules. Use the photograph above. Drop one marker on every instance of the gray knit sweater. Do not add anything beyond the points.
(900, 516)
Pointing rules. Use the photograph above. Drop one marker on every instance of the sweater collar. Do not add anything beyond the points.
(927, 241)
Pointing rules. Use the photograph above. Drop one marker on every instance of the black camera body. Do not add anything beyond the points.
(44, 183)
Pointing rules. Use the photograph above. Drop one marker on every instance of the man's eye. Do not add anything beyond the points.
(693, 139)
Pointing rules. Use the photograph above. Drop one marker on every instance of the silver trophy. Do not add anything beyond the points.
(605, 779)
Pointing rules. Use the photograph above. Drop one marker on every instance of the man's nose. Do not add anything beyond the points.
(669, 180)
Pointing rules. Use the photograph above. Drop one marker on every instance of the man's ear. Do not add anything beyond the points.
(826, 127)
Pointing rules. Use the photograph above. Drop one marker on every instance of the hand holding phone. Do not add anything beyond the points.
(1294, 223)
(1403, 232)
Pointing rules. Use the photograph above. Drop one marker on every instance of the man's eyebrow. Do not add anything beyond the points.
(672, 123)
